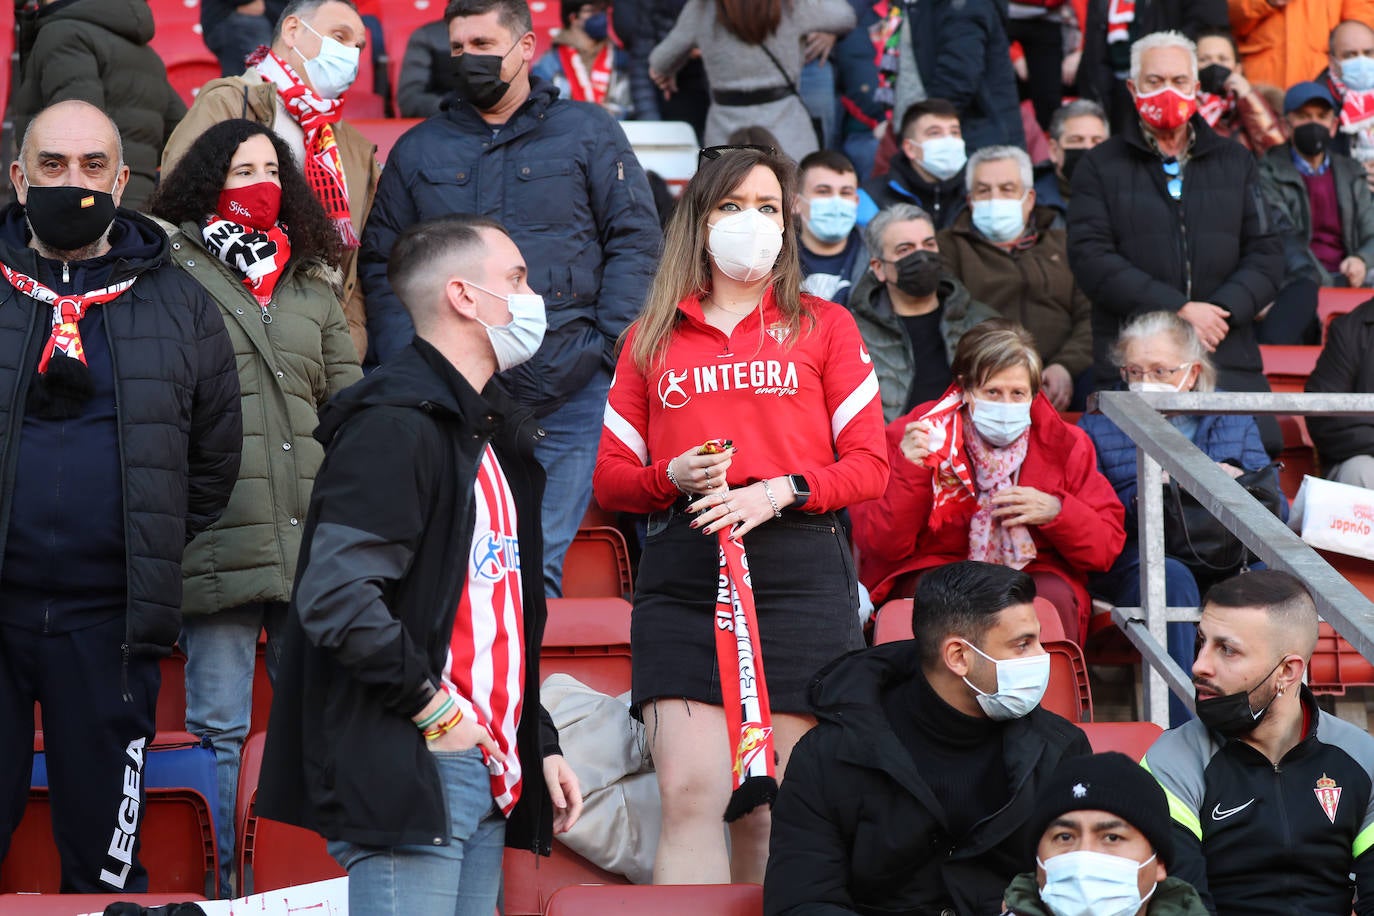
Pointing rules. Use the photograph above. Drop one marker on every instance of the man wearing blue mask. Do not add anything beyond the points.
(1349, 76)
(914, 793)
(584, 63)
(1006, 251)
(1105, 846)
(928, 169)
(295, 88)
(389, 734)
(832, 251)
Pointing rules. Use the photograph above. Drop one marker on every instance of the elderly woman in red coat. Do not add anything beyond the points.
(990, 472)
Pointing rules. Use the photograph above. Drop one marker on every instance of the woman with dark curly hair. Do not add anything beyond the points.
(244, 224)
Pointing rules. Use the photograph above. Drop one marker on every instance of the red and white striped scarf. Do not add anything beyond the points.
(323, 164)
(67, 311)
(584, 86)
(1214, 107)
(955, 498)
(260, 255)
(1120, 15)
(1357, 108)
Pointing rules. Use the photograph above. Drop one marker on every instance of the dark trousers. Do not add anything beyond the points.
(95, 741)
(1293, 317)
(1042, 43)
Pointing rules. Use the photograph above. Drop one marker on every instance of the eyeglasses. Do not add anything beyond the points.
(1173, 168)
(1157, 374)
(715, 152)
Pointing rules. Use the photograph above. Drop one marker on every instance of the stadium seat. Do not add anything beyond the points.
(399, 19)
(531, 881)
(384, 132)
(893, 621)
(666, 147)
(72, 904)
(177, 38)
(597, 565)
(187, 76)
(1298, 458)
(171, 696)
(661, 900)
(1287, 367)
(1337, 300)
(589, 639)
(177, 846)
(1130, 738)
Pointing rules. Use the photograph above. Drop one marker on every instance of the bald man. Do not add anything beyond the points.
(120, 405)
(1270, 797)
(402, 730)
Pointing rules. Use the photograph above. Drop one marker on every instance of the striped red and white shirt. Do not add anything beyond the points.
(486, 660)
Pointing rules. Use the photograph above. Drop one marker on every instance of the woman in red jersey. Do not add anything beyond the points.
(728, 347)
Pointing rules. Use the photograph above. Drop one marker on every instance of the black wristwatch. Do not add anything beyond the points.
(799, 489)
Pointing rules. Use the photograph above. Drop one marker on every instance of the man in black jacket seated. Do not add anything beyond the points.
(399, 729)
(1169, 215)
(1345, 445)
(119, 401)
(914, 793)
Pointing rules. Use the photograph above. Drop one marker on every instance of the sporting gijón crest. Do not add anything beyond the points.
(1328, 795)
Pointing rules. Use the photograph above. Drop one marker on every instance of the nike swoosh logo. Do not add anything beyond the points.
(863, 355)
(1220, 815)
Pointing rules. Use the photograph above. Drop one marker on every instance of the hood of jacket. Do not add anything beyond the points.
(129, 19)
(136, 245)
(1172, 897)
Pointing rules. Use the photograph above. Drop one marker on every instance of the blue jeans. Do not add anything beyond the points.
(568, 454)
(221, 651)
(460, 879)
(817, 87)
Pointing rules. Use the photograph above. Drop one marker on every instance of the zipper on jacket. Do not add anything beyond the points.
(124, 673)
(66, 273)
(1183, 250)
(620, 171)
(123, 478)
(1286, 829)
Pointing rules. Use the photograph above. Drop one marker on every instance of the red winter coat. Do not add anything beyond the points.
(893, 538)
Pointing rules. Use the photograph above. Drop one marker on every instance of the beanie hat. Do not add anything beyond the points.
(1108, 782)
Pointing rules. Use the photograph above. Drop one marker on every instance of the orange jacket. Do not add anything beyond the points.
(1286, 45)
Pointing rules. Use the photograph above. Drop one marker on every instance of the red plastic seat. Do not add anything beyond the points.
(177, 846)
(893, 621)
(382, 131)
(1287, 367)
(589, 638)
(1130, 738)
(597, 565)
(532, 881)
(1299, 456)
(1337, 300)
(661, 900)
(69, 904)
(187, 76)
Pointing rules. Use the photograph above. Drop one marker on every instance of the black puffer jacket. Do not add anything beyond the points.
(1346, 365)
(1134, 249)
(97, 51)
(177, 398)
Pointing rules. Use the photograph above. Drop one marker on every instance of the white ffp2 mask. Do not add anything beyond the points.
(745, 245)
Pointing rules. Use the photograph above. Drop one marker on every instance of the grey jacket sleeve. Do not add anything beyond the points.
(1177, 760)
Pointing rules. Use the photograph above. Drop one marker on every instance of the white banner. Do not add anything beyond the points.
(1334, 516)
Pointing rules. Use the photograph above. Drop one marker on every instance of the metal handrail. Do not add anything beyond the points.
(1161, 447)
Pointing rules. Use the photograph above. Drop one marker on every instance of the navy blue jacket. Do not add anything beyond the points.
(963, 57)
(562, 179)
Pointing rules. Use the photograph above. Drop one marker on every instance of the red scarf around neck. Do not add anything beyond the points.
(259, 255)
(584, 86)
(67, 311)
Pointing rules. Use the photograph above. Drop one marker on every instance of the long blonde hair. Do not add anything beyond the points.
(685, 269)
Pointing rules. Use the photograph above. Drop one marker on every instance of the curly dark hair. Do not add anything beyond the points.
(191, 191)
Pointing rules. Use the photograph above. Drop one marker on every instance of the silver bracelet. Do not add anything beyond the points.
(768, 491)
(672, 478)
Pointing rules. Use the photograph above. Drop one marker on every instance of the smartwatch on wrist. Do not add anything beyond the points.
(800, 490)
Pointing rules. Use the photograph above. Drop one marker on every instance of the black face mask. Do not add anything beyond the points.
(1213, 78)
(1071, 159)
(1311, 139)
(918, 273)
(477, 78)
(1232, 715)
(68, 218)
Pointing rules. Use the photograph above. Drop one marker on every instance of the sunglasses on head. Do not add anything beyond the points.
(715, 152)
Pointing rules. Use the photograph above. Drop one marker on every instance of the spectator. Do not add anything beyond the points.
(927, 171)
(856, 82)
(1167, 215)
(1038, 27)
(641, 25)
(426, 71)
(249, 230)
(124, 442)
(1284, 778)
(753, 135)
(97, 51)
(1349, 76)
(233, 29)
(1075, 128)
(1229, 104)
(583, 63)
(753, 57)
(737, 279)
(1281, 42)
(833, 255)
(1327, 205)
(389, 734)
(1104, 824)
(910, 312)
(562, 177)
(1006, 253)
(915, 792)
(1114, 25)
(1346, 444)
(299, 98)
(1159, 351)
(1018, 487)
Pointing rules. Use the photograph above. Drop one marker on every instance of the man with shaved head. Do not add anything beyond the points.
(119, 401)
(1271, 798)
(406, 726)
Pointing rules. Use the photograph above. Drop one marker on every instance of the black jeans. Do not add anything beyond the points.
(1293, 317)
(1042, 43)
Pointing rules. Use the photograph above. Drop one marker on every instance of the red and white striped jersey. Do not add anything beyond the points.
(486, 660)
(808, 406)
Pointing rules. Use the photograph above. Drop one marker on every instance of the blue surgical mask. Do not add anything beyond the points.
(516, 342)
(1358, 73)
(943, 157)
(832, 218)
(1086, 883)
(999, 220)
(1001, 422)
(334, 69)
(1021, 684)
(596, 26)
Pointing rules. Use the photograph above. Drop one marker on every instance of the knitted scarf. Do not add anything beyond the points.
(1357, 108)
(259, 256)
(952, 482)
(67, 311)
(584, 86)
(323, 164)
(995, 469)
(1214, 107)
